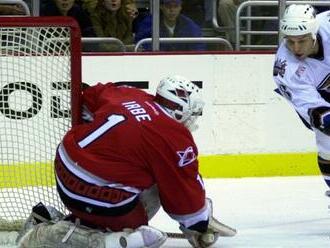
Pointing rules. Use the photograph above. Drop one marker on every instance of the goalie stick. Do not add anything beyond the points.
(222, 229)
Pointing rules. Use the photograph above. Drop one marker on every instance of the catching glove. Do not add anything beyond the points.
(214, 230)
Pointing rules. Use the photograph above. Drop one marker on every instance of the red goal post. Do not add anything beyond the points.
(40, 78)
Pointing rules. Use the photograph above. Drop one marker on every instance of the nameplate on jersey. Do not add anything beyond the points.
(137, 111)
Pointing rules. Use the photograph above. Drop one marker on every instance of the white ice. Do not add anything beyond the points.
(272, 212)
(277, 212)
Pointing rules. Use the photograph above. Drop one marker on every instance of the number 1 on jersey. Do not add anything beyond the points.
(112, 121)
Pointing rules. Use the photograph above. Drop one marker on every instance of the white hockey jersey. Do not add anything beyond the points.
(305, 83)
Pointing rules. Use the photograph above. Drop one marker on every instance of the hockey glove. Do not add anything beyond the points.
(200, 240)
(320, 118)
(214, 229)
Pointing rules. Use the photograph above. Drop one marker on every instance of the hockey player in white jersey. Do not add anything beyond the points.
(302, 73)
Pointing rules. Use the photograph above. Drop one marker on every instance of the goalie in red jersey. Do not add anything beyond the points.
(133, 154)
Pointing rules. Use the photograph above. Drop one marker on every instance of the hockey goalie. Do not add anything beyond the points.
(133, 153)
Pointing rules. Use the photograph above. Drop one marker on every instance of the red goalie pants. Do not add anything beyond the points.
(90, 202)
(133, 219)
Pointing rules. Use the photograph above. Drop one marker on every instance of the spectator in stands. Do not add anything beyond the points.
(30, 5)
(208, 13)
(68, 8)
(200, 11)
(172, 24)
(322, 8)
(11, 9)
(227, 13)
(143, 11)
(112, 18)
(194, 9)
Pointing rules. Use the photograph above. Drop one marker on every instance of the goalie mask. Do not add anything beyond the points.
(181, 98)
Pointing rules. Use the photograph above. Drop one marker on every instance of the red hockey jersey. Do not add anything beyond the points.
(134, 142)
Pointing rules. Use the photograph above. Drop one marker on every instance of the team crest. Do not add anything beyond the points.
(300, 70)
(186, 157)
(279, 67)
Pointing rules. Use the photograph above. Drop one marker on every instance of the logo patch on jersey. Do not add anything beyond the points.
(186, 157)
(300, 70)
(279, 67)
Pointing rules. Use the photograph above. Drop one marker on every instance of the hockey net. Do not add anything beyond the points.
(40, 75)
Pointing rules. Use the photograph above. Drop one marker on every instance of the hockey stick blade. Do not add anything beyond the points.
(222, 229)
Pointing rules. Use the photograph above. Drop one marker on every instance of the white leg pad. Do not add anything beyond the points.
(67, 234)
(51, 235)
(142, 237)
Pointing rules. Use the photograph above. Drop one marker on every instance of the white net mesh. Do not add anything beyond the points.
(35, 75)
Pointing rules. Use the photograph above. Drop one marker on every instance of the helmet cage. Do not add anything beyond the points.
(181, 98)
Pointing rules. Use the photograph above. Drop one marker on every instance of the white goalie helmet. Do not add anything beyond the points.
(299, 19)
(181, 98)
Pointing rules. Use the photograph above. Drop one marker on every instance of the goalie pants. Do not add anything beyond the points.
(98, 206)
(134, 219)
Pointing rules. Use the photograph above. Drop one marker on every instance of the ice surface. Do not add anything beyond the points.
(274, 212)
(281, 212)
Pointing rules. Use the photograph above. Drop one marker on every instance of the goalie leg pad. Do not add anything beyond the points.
(142, 237)
(51, 235)
(56, 235)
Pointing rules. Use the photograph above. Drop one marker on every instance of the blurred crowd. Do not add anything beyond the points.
(131, 21)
